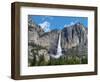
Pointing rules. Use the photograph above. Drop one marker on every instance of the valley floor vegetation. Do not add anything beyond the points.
(40, 57)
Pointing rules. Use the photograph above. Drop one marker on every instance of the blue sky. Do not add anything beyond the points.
(57, 22)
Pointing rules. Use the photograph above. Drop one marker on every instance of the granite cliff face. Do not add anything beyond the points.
(73, 36)
(50, 41)
(37, 36)
(43, 44)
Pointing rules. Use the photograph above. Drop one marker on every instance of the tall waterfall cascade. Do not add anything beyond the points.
(59, 49)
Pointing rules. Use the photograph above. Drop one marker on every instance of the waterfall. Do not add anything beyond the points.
(59, 49)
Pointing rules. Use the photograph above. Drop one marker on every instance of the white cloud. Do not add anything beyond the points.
(45, 26)
(71, 23)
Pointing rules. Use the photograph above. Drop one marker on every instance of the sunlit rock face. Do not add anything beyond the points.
(72, 36)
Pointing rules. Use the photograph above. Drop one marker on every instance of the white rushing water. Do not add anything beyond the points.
(59, 49)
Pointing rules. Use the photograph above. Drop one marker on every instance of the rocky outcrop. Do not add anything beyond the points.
(72, 36)
(34, 31)
(50, 41)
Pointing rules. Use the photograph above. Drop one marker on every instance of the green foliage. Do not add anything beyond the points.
(33, 63)
(63, 60)
(84, 60)
(42, 61)
(60, 61)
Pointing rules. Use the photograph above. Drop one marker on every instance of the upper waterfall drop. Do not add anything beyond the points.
(59, 49)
